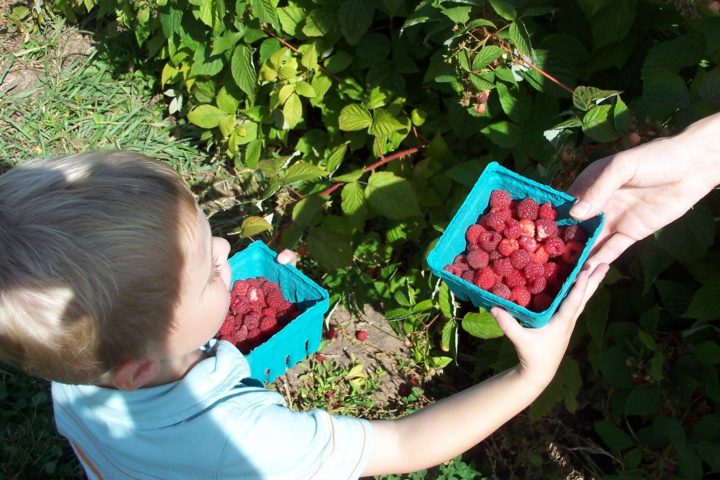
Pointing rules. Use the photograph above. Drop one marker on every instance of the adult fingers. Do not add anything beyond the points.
(610, 249)
(597, 187)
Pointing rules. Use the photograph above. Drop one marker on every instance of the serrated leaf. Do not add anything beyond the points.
(290, 18)
(515, 102)
(705, 303)
(481, 325)
(504, 8)
(306, 211)
(613, 436)
(520, 37)
(384, 123)
(331, 249)
(302, 171)
(304, 89)
(613, 22)
(225, 42)
(643, 400)
(254, 225)
(350, 177)
(391, 196)
(336, 157)
(265, 11)
(665, 87)
(445, 301)
(354, 117)
(598, 124)
(355, 17)
(675, 54)
(447, 339)
(292, 111)
(584, 98)
(243, 70)
(486, 56)
(689, 237)
(459, 15)
(206, 116)
(503, 134)
(353, 198)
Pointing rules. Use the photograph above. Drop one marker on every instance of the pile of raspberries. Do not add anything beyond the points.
(257, 310)
(517, 251)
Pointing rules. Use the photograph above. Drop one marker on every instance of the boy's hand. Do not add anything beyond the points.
(540, 350)
(287, 256)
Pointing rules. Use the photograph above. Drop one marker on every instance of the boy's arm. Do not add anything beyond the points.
(451, 426)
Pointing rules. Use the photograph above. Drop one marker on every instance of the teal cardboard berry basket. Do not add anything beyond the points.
(299, 338)
(452, 242)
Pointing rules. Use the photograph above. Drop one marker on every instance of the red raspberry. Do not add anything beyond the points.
(527, 228)
(453, 269)
(252, 321)
(241, 334)
(268, 324)
(494, 255)
(512, 229)
(227, 327)
(501, 290)
(554, 246)
(468, 275)
(473, 232)
(539, 255)
(519, 259)
(361, 335)
(319, 357)
(572, 252)
(551, 272)
(541, 301)
(545, 228)
(504, 213)
(502, 266)
(520, 295)
(460, 261)
(240, 288)
(477, 259)
(489, 240)
(536, 284)
(533, 269)
(527, 209)
(529, 244)
(507, 246)
(574, 232)
(485, 278)
(500, 198)
(495, 221)
(332, 333)
(515, 279)
(547, 211)
(472, 246)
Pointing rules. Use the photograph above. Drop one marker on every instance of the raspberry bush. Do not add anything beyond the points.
(353, 129)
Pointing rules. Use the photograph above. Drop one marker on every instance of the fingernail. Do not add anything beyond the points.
(580, 209)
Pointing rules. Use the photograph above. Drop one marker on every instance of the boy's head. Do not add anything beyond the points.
(92, 247)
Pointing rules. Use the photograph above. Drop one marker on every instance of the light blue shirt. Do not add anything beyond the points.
(207, 425)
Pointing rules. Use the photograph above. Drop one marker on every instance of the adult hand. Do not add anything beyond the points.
(540, 350)
(645, 188)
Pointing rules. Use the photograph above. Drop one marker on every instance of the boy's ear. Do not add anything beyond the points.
(133, 374)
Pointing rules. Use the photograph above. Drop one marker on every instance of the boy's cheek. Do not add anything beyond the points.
(226, 275)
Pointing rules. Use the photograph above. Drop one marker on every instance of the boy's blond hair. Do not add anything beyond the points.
(91, 255)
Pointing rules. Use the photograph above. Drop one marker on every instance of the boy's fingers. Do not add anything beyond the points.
(287, 256)
(507, 323)
(585, 285)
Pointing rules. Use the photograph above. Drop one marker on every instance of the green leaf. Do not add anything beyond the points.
(613, 436)
(449, 333)
(515, 102)
(355, 17)
(336, 157)
(705, 303)
(354, 117)
(613, 22)
(503, 134)
(504, 8)
(350, 177)
(265, 11)
(445, 301)
(225, 42)
(330, 248)
(304, 89)
(675, 54)
(290, 18)
(302, 171)
(206, 116)
(481, 325)
(643, 400)
(665, 87)
(307, 211)
(384, 123)
(598, 124)
(353, 198)
(708, 352)
(689, 237)
(292, 111)
(391, 196)
(486, 56)
(319, 23)
(584, 98)
(459, 15)
(243, 70)
(520, 37)
(253, 226)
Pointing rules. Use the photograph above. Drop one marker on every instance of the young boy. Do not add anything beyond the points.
(112, 287)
